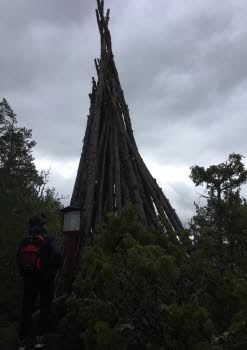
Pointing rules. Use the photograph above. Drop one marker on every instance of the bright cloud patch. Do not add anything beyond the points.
(65, 170)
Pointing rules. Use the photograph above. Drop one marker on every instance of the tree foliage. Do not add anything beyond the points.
(130, 293)
(143, 289)
(23, 193)
(219, 231)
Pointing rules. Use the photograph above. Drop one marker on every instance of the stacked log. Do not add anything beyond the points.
(111, 171)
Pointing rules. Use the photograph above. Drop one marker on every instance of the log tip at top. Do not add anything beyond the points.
(108, 15)
(100, 4)
(100, 10)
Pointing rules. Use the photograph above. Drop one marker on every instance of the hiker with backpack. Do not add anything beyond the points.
(38, 259)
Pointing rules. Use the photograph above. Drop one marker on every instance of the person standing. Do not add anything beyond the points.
(38, 258)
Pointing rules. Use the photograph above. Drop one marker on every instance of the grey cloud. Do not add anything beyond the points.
(19, 13)
(181, 64)
(193, 64)
(182, 197)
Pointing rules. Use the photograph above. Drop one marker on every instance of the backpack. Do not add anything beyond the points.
(29, 257)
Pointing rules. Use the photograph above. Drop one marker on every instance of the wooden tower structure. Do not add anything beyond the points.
(111, 171)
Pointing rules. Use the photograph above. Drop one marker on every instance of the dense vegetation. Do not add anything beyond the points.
(23, 193)
(140, 288)
(146, 289)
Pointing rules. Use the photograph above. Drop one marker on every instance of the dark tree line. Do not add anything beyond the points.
(23, 193)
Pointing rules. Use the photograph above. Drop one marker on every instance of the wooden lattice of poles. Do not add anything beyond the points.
(111, 171)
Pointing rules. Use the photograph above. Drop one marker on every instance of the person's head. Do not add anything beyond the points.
(43, 220)
(35, 226)
(34, 221)
(38, 224)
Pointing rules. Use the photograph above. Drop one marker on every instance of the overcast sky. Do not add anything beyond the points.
(182, 64)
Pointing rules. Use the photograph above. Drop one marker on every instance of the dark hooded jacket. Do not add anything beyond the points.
(50, 253)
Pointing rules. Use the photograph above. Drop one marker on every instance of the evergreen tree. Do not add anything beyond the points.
(16, 144)
(130, 294)
(23, 193)
(223, 219)
(219, 258)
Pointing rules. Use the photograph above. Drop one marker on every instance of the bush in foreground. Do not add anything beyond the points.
(130, 295)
